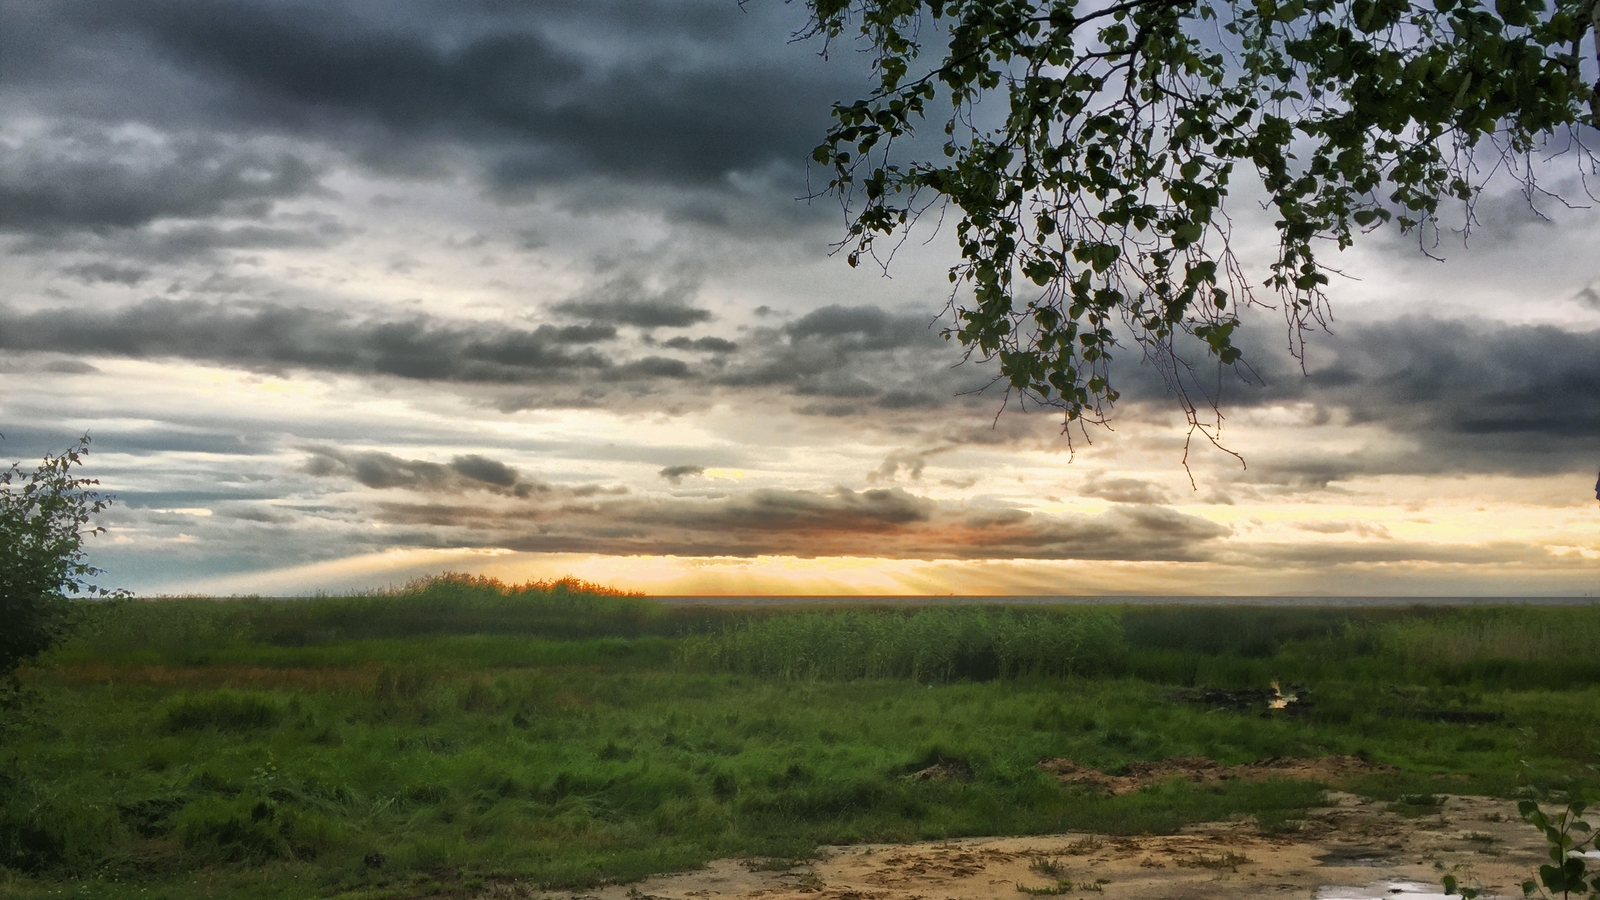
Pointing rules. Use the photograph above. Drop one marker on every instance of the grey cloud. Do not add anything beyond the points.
(68, 367)
(654, 367)
(646, 313)
(845, 510)
(88, 179)
(107, 272)
(1475, 396)
(272, 337)
(262, 513)
(676, 474)
(1125, 490)
(906, 399)
(379, 470)
(704, 344)
(483, 469)
(885, 372)
(864, 327)
(889, 523)
(1589, 296)
(626, 299)
(912, 462)
(1356, 553)
(880, 359)
(831, 410)
(990, 518)
(33, 441)
(1472, 396)
(1345, 526)
(836, 384)
(165, 244)
(584, 334)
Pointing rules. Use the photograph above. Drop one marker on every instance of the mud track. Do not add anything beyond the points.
(1354, 848)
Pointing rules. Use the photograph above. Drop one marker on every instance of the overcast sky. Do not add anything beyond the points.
(346, 293)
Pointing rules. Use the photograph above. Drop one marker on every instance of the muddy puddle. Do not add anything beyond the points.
(1399, 890)
(1354, 849)
(1200, 770)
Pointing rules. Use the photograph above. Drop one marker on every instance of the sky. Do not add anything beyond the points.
(349, 293)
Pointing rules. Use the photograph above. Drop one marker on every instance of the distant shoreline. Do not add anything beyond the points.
(998, 600)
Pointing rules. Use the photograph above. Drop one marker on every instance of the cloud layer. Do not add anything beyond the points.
(330, 282)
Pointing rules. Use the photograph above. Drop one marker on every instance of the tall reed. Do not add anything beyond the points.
(1508, 633)
(930, 645)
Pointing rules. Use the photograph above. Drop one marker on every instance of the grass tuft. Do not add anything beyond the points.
(224, 710)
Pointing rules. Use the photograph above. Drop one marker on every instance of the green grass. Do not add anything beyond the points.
(272, 748)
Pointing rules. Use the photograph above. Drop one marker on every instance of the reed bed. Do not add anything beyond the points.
(1517, 634)
(929, 646)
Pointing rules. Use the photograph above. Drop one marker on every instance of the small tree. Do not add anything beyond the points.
(44, 517)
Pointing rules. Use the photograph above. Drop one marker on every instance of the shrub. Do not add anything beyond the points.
(44, 517)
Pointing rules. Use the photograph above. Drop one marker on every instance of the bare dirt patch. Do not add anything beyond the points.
(1200, 770)
(1354, 848)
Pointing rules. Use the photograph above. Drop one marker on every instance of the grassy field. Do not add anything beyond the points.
(429, 740)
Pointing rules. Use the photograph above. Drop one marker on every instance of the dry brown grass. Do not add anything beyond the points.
(318, 680)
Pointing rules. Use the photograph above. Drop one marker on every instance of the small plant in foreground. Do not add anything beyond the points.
(1046, 865)
(1568, 874)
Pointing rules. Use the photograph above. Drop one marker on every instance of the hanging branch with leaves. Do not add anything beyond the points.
(1092, 195)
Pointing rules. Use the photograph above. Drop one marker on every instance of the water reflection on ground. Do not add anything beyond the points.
(1405, 890)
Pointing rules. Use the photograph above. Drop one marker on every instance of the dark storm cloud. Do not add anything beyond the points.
(86, 179)
(543, 91)
(645, 313)
(1470, 379)
(273, 337)
(1471, 396)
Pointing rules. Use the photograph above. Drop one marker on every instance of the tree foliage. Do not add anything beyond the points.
(1092, 196)
(44, 517)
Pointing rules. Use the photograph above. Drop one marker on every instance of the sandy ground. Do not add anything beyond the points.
(1352, 849)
